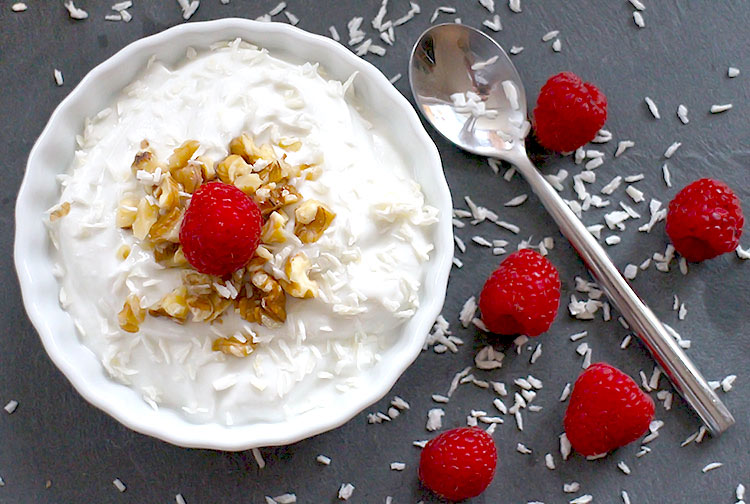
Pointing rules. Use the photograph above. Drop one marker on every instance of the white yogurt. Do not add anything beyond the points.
(369, 264)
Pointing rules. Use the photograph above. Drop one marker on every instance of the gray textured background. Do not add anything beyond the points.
(680, 57)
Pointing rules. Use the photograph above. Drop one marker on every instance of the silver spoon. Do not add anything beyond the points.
(452, 58)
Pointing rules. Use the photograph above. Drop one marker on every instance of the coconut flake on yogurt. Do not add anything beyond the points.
(369, 264)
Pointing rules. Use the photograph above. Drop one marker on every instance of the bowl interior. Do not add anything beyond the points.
(54, 151)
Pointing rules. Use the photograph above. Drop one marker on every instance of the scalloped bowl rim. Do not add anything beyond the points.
(80, 365)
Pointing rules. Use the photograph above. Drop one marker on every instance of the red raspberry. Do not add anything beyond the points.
(522, 295)
(221, 229)
(705, 220)
(459, 463)
(606, 410)
(568, 113)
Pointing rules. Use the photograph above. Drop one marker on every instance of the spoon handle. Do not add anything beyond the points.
(685, 377)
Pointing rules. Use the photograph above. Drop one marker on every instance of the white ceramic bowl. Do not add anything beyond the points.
(53, 153)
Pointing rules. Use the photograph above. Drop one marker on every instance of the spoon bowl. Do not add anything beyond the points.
(450, 60)
(469, 90)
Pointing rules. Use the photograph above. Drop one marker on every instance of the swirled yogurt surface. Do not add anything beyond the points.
(369, 264)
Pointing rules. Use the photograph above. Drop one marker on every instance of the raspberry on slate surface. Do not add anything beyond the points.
(607, 410)
(568, 113)
(522, 295)
(705, 220)
(459, 463)
(221, 229)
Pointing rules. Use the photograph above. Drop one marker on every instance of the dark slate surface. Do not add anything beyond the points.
(56, 440)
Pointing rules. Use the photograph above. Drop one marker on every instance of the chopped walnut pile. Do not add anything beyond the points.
(155, 217)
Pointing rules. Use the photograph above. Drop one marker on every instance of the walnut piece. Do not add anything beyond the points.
(207, 167)
(190, 177)
(170, 255)
(233, 346)
(248, 183)
(147, 161)
(232, 167)
(146, 216)
(299, 285)
(266, 304)
(131, 315)
(126, 211)
(205, 304)
(167, 193)
(167, 227)
(244, 146)
(273, 229)
(173, 305)
(271, 197)
(182, 155)
(61, 211)
(312, 219)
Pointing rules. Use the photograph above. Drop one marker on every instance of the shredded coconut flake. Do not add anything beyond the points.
(652, 108)
(728, 382)
(638, 19)
(672, 149)
(75, 12)
(435, 419)
(594, 163)
(549, 461)
(603, 136)
(742, 253)
(711, 466)
(258, 458)
(277, 10)
(612, 185)
(536, 354)
(11, 406)
(583, 499)
(293, 20)
(565, 446)
(517, 201)
(493, 24)
(630, 271)
(479, 240)
(522, 449)
(346, 491)
(682, 114)
(438, 398)
(717, 109)
(667, 175)
(189, 9)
